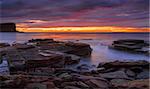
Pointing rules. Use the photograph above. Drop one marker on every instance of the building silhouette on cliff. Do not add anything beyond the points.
(8, 27)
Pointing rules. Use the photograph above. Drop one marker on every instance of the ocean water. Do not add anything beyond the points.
(98, 42)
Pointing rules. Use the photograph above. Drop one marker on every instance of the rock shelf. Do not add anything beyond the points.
(40, 64)
(131, 45)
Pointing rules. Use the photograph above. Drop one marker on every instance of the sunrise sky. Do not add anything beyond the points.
(77, 15)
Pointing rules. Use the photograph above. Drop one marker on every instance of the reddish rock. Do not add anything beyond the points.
(53, 61)
(80, 49)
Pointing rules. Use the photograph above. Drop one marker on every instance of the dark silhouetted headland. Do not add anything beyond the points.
(8, 27)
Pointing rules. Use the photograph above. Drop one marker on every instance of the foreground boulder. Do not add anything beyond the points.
(131, 45)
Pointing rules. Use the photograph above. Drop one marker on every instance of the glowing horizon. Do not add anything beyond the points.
(83, 29)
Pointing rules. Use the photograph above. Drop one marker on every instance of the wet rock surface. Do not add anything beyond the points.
(41, 64)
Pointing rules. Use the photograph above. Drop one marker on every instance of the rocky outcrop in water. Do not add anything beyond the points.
(131, 45)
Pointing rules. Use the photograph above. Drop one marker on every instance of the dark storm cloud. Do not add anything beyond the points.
(88, 4)
(91, 12)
